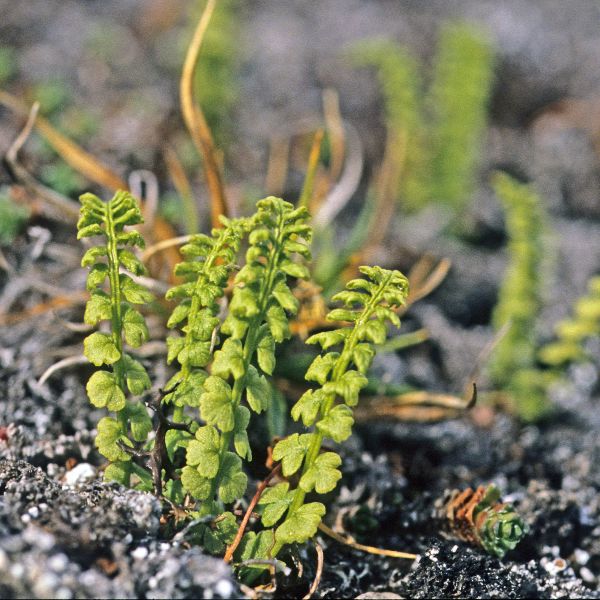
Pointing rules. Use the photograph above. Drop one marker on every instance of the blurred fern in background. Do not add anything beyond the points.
(439, 129)
(513, 363)
(572, 333)
(401, 84)
(458, 100)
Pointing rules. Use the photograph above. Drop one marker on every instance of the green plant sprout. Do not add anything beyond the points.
(458, 101)
(402, 90)
(110, 388)
(480, 518)
(215, 76)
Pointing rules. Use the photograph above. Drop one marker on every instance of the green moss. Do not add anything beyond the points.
(572, 333)
(8, 63)
(12, 218)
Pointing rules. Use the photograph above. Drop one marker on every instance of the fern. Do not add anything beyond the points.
(257, 320)
(401, 85)
(458, 99)
(572, 333)
(512, 364)
(368, 304)
(437, 130)
(210, 260)
(110, 388)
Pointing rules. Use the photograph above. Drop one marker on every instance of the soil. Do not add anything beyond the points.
(66, 534)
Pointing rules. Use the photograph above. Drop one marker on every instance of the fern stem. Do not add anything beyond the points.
(115, 301)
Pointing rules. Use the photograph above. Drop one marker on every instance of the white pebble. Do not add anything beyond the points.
(587, 575)
(224, 588)
(140, 553)
(79, 474)
(58, 562)
(581, 556)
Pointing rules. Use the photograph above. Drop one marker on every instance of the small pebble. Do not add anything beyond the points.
(140, 553)
(581, 556)
(587, 575)
(224, 588)
(81, 473)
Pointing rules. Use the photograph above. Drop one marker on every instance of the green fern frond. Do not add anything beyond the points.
(209, 262)
(367, 305)
(401, 85)
(257, 320)
(113, 261)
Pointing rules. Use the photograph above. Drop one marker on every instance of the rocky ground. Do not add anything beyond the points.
(64, 533)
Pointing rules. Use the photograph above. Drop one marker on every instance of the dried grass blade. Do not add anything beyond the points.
(39, 309)
(335, 129)
(54, 204)
(277, 169)
(62, 364)
(317, 580)
(313, 162)
(370, 549)
(69, 151)
(419, 406)
(196, 122)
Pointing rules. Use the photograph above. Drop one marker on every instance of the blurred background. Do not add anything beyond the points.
(420, 103)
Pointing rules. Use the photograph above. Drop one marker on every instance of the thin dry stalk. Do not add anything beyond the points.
(424, 278)
(420, 406)
(80, 359)
(39, 309)
(262, 486)
(335, 129)
(386, 190)
(348, 183)
(315, 584)
(55, 204)
(196, 122)
(313, 162)
(164, 245)
(277, 169)
(370, 549)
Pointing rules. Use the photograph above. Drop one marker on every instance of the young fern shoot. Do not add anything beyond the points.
(257, 319)
(369, 303)
(109, 388)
